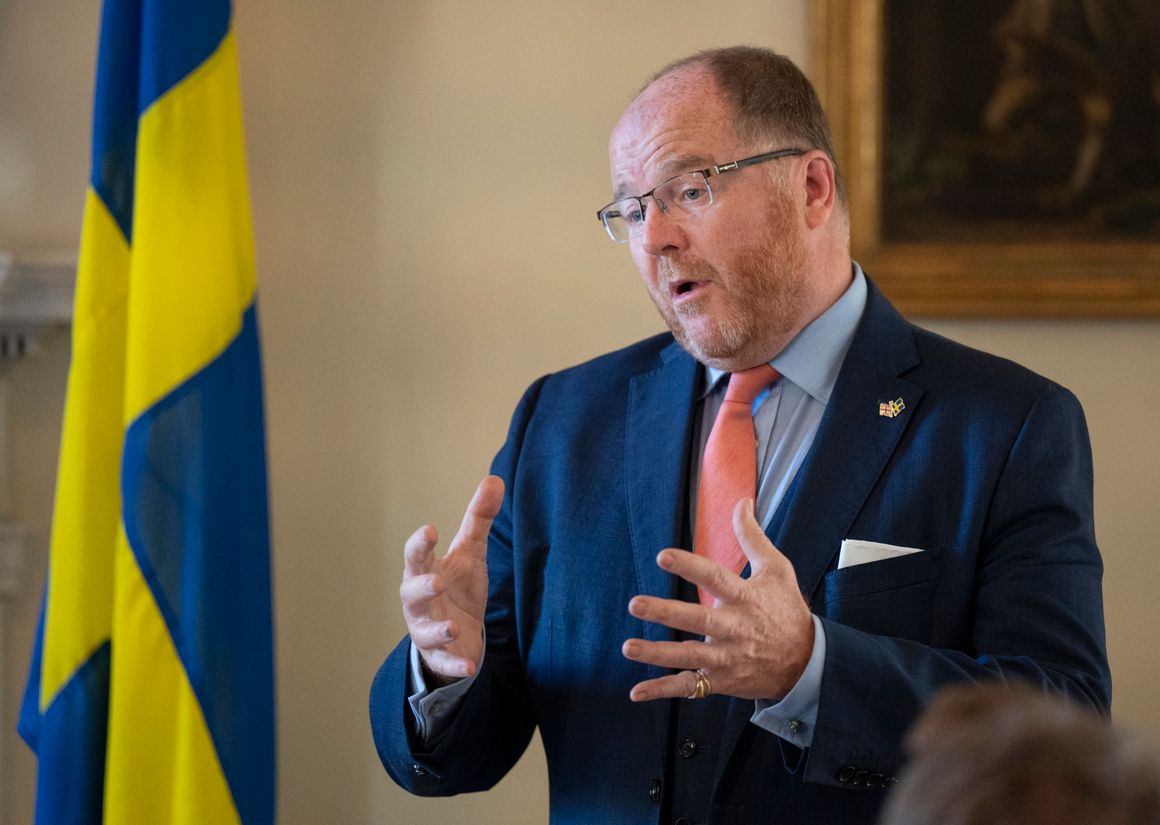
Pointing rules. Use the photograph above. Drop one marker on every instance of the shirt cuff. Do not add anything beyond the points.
(434, 710)
(795, 716)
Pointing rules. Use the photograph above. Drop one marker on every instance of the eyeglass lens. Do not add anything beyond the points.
(682, 195)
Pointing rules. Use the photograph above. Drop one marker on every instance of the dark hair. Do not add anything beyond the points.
(771, 97)
(986, 753)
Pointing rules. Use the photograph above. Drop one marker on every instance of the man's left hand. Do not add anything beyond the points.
(758, 635)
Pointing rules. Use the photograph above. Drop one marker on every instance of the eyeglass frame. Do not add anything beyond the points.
(706, 173)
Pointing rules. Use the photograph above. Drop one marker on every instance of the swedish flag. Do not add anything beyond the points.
(150, 693)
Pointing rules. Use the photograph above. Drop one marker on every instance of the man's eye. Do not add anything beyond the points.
(690, 193)
(634, 215)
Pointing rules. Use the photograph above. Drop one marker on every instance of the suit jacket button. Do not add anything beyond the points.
(687, 749)
(654, 791)
(847, 773)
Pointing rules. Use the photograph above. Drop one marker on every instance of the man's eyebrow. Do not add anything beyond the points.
(621, 191)
(670, 168)
(685, 163)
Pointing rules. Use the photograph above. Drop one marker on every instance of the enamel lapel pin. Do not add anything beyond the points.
(891, 409)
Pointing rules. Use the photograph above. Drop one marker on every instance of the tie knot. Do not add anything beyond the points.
(746, 384)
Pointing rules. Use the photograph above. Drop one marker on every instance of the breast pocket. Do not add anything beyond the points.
(893, 597)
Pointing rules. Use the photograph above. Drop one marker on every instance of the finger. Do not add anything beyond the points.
(445, 664)
(688, 616)
(724, 584)
(754, 543)
(676, 655)
(418, 551)
(481, 511)
(677, 686)
(430, 635)
(417, 591)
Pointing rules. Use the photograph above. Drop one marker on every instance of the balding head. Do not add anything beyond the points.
(769, 97)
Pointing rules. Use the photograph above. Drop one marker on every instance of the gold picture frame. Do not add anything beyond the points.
(967, 276)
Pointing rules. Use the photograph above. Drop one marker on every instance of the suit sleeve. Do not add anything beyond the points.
(493, 726)
(1037, 608)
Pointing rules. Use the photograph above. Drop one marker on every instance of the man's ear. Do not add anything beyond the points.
(821, 189)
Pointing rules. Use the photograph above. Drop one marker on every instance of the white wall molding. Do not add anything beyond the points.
(36, 298)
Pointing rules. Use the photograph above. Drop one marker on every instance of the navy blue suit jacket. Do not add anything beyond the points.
(988, 469)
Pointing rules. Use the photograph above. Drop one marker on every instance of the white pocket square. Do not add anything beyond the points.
(856, 551)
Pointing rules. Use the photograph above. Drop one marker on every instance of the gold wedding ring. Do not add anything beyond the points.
(703, 687)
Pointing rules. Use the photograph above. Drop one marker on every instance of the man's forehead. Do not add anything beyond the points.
(690, 87)
(674, 125)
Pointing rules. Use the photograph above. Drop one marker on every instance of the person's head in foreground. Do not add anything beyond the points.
(994, 755)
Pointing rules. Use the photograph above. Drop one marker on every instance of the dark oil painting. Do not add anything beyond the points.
(1015, 121)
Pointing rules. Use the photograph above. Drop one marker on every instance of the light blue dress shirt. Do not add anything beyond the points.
(785, 419)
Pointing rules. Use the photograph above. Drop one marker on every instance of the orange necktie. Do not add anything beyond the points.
(729, 471)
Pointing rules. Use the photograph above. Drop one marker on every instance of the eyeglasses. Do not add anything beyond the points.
(685, 194)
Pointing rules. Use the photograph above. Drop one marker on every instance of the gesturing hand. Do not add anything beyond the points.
(758, 634)
(444, 598)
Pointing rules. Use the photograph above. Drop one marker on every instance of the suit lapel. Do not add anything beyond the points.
(852, 446)
(660, 419)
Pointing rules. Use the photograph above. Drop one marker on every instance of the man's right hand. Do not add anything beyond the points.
(444, 598)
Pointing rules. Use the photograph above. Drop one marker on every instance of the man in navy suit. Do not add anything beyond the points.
(922, 513)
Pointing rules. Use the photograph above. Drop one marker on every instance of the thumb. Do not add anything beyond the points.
(488, 498)
(754, 543)
(477, 519)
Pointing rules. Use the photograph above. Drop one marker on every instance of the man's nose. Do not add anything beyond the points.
(662, 233)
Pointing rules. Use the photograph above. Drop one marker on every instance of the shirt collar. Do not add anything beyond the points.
(814, 357)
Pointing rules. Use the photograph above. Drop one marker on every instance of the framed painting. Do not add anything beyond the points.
(1002, 157)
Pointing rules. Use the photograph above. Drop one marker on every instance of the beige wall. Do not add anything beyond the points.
(424, 179)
